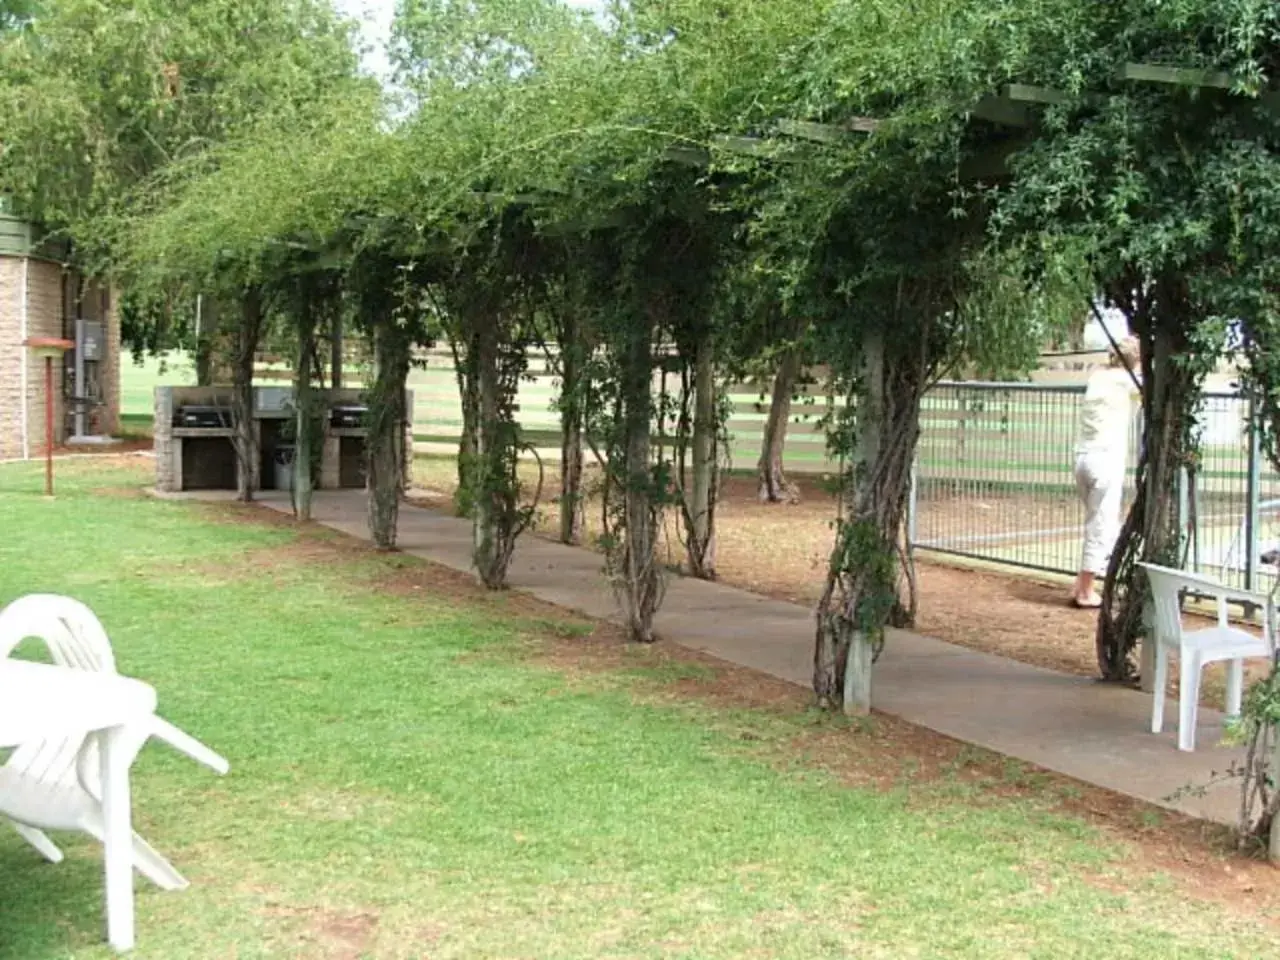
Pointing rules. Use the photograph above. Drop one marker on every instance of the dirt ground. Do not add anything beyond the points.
(1021, 615)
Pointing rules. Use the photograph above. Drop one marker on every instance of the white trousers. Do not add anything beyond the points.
(1100, 483)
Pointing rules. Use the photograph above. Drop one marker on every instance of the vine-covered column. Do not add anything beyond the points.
(877, 437)
(245, 437)
(632, 555)
(699, 426)
(304, 401)
(572, 403)
(386, 437)
(1163, 317)
(499, 356)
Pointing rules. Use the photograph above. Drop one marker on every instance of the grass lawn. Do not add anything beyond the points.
(413, 776)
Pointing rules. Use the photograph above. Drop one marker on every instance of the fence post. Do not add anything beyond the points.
(913, 502)
(1192, 543)
(1251, 515)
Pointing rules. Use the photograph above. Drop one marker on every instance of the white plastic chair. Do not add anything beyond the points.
(55, 785)
(1198, 648)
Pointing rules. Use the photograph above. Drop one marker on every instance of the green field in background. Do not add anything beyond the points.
(1028, 458)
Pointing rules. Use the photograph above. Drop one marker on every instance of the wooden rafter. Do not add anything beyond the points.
(826, 132)
(1027, 93)
(1003, 110)
(1177, 76)
(1146, 73)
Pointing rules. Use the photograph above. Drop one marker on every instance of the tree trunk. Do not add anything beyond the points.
(641, 579)
(336, 352)
(206, 339)
(493, 505)
(700, 519)
(304, 414)
(464, 366)
(387, 417)
(1272, 767)
(774, 487)
(245, 439)
(1150, 533)
(572, 506)
(865, 566)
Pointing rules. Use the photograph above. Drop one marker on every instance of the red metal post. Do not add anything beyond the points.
(48, 426)
(48, 347)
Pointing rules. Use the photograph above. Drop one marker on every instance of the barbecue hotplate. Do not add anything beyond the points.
(348, 416)
(202, 417)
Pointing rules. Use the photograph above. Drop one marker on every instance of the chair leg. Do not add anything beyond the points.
(1159, 684)
(38, 839)
(184, 742)
(146, 860)
(155, 867)
(1188, 701)
(1235, 687)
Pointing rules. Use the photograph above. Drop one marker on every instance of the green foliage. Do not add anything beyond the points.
(15, 14)
(98, 95)
(860, 550)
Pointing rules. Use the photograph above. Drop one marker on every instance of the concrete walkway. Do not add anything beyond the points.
(1075, 726)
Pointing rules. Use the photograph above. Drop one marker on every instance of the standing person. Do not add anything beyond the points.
(1101, 455)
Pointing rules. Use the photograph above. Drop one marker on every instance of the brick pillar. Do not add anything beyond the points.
(109, 425)
(168, 449)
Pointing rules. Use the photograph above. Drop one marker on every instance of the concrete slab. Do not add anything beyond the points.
(1072, 725)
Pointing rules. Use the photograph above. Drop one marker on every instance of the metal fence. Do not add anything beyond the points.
(994, 482)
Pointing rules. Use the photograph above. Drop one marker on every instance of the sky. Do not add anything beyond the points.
(376, 16)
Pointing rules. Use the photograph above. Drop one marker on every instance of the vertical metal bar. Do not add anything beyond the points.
(1251, 517)
(913, 502)
(80, 391)
(48, 425)
(1183, 518)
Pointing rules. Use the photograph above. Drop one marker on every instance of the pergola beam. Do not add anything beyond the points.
(815, 132)
(1146, 73)
(746, 146)
(1010, 107)
(689, 156)
(1027, 93)
(1176, 76)
(1002, 110)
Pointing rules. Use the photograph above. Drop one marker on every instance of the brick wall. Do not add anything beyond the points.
(110, 423)
(168, 458)
(44, 319)
(11, 358)
(44, 287)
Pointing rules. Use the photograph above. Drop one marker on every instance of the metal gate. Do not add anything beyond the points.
(994, 482)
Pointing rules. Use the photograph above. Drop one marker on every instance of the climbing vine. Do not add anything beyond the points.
(489, 305)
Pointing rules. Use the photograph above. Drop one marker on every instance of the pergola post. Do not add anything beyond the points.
(48, 348)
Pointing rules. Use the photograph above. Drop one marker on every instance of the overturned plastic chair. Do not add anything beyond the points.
(55, 784)
(1196, 649)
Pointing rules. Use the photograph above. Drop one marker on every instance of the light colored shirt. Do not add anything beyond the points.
(1107, 413)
